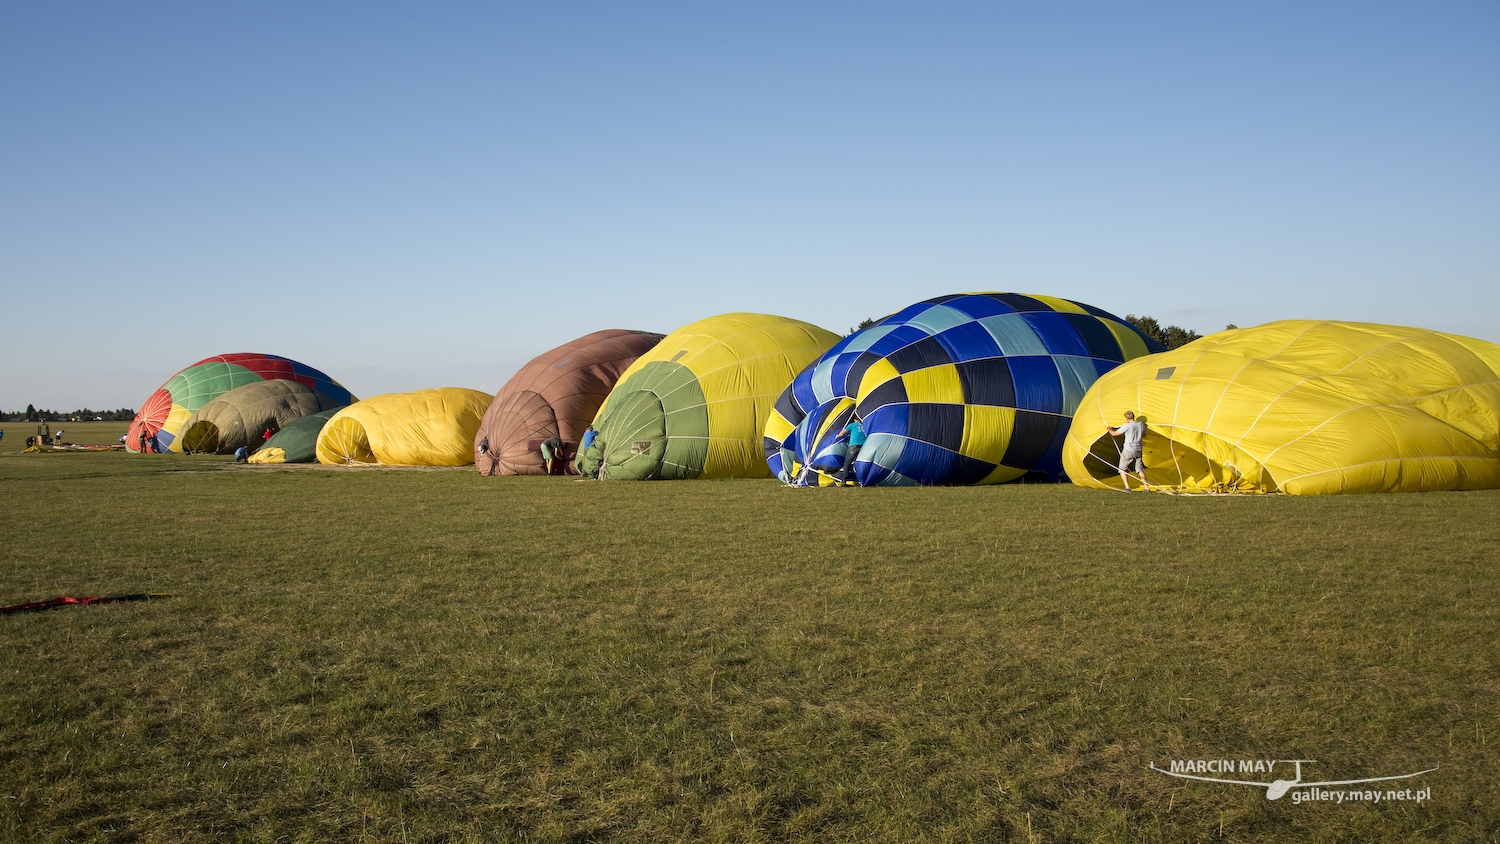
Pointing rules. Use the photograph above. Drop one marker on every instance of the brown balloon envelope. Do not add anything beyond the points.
(555, 395)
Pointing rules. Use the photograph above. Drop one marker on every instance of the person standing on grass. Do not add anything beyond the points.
(143, 440)
(589, 434)
(1133, 431)
(855, 431)
(552, 455)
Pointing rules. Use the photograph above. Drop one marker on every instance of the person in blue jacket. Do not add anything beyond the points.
(588, 439)
(855, 430)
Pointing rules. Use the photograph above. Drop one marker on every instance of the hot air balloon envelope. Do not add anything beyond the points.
(696, 404)
(296, 443)
(240, 417)
(557, 394)
(425, 428)
(973, 388)
(1304, 407)
(164, 412)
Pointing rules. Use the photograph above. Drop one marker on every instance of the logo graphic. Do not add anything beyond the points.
(1193, 769)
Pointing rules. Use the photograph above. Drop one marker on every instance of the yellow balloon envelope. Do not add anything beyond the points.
(1303, 407)
(426, 428)
(695, 405)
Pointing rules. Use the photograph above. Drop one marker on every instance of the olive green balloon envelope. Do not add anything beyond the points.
(296, 443)
(240, 417)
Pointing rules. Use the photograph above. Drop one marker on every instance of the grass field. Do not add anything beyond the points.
(383, 655)
(83, 433)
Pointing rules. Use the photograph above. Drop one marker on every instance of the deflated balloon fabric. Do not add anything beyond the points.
(972, 388)
(1304, 407)
(557, 394)
(695, 405)
(425, 428)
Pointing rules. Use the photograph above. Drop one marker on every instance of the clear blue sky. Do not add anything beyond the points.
(407, 197)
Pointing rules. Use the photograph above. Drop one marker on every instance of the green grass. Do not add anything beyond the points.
(372, 655)
(82, 433)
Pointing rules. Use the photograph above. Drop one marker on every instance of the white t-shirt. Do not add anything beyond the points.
(1133, 430)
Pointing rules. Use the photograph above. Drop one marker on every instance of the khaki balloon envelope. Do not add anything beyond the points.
(554, 395)
(240, 417)
(426, 428)
(1304, 407)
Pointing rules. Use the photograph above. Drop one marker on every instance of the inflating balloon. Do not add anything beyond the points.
(241, 417)
(696, 404)
(296, 443)
(557, 394)
(974, 388)
(165, 411)
(1304, 407)
(425, 428)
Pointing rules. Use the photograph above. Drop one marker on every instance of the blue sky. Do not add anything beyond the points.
(411, 197)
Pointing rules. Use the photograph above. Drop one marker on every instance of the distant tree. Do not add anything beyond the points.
(1172, 336)
(83, 414)
(863, 324)
(1230, 327)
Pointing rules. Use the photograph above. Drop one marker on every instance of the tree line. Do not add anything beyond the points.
(1170, 336)
(32, 414)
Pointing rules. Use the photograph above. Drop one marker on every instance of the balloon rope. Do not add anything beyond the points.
(1172, 444)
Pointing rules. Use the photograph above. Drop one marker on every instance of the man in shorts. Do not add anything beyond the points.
(552, 455)
(1133, 431)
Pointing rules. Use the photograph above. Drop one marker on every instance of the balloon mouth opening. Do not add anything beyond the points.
(348, 443)
(201, 438)
(1179, 461)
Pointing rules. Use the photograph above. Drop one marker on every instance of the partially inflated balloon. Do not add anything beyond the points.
(296, 443)
(240, 417)
(974, 388)
(1303, 407)
(695, 405)
(425, 428)
(555, 395)
(165, 411)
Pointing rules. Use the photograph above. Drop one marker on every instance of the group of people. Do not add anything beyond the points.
(555, 452)
(44, 436)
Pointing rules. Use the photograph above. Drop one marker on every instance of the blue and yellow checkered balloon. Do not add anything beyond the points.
(972, 388)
